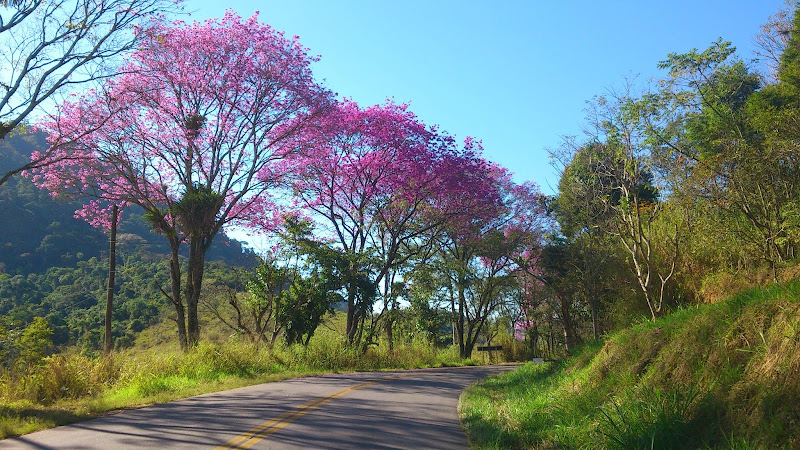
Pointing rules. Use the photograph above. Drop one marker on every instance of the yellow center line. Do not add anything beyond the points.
(259, 433)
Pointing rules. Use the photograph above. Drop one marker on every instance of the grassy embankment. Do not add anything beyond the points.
(70, 387)
(724, 375)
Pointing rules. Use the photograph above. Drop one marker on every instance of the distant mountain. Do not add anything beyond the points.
(38, 232)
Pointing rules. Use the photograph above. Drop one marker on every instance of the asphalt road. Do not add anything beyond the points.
(404, 409)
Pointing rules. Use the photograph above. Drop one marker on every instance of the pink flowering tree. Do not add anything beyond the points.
(375, 186)
(481, 254)
(196, 131)
(530, 295)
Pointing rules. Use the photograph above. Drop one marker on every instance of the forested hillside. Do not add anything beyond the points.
(36, 231)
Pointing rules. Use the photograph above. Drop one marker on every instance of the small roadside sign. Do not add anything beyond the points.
(489, 348)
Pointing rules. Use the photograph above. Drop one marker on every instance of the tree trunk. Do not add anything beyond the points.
(177, 301)
(112, 271)
(352, 327)
(590, 272)
(595, 327)
(453, 315)
(274, 337)
(389, 335)
(194, 282)
(533, 339)
(566, 322)
(462, 351)
(390, 317)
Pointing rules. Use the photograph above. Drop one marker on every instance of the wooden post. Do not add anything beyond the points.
(112, 271)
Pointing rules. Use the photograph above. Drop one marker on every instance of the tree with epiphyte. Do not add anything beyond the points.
(197, 131)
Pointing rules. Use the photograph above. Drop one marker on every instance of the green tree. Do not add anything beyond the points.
(34, 341)
(269, 293)
(480, 277)
(622, 166)
(727, 141)
(289, 293)
(559, 257)
(320, 275)
(583, 214)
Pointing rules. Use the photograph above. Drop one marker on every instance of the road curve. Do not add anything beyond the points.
(401, 409)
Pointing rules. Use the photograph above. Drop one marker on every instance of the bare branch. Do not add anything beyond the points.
(49, 48)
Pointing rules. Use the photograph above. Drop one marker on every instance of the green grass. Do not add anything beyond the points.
(716, 376)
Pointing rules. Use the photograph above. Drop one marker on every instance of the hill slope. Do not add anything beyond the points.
(720, 375)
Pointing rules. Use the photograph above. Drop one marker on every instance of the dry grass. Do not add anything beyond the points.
(720, 285)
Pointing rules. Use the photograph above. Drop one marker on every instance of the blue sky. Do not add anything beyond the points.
(516, 74)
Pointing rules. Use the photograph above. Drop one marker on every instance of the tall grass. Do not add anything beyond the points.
(653, 419)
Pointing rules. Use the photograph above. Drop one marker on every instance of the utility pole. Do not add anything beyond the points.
(112, 271)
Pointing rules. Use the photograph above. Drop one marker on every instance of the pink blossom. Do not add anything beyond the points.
(217, 104)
